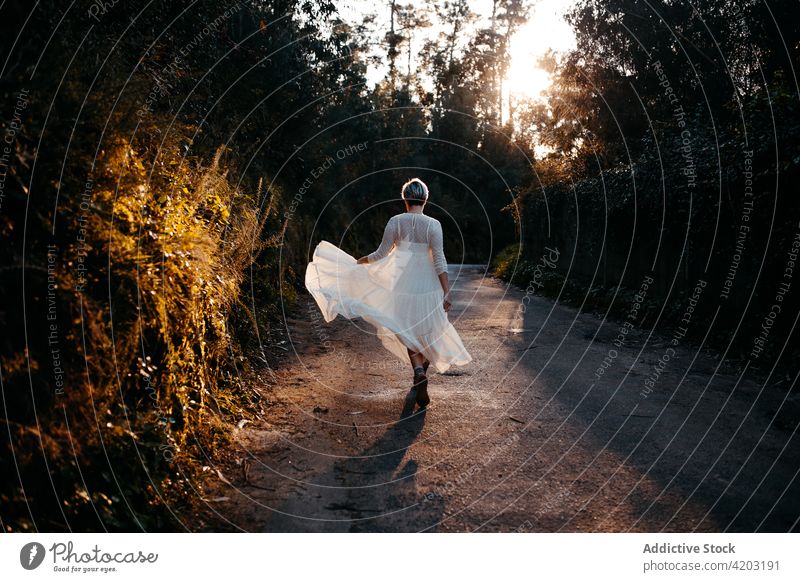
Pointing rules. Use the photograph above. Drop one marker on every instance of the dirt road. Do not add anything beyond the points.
(563, 424)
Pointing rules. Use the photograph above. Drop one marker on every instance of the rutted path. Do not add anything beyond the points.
(521, 439)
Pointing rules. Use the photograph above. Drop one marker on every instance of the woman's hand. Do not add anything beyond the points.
(362, 261)
(446, 302)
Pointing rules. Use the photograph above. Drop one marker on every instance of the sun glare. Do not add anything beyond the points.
(546, 30)
(526, 80)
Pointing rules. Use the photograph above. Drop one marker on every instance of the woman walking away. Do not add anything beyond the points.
(402, 289)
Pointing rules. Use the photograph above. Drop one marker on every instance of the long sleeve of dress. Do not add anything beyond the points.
(389, 235)
(436, 243)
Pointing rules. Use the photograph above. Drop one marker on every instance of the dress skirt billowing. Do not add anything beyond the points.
(400, 295)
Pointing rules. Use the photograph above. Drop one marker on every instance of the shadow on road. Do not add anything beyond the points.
(382, 490)
(701, 436)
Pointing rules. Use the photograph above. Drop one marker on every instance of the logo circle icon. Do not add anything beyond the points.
(31, 555)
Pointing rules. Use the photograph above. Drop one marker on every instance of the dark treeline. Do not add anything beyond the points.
(674, 134)
(169, 167)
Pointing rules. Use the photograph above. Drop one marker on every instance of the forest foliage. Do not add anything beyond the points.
(170, 168)
(673, 139)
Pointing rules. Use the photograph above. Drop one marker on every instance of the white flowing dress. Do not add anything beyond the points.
(398, 291)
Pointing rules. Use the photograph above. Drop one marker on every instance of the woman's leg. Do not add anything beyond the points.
(417, 359)
(420, 379)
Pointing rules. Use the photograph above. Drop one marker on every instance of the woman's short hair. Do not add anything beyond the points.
(415, 192)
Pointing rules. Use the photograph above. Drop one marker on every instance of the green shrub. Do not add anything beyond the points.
(151, 362)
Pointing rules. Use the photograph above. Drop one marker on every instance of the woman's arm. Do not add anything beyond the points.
(436, 242)
(386, 244)
(446, 288)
